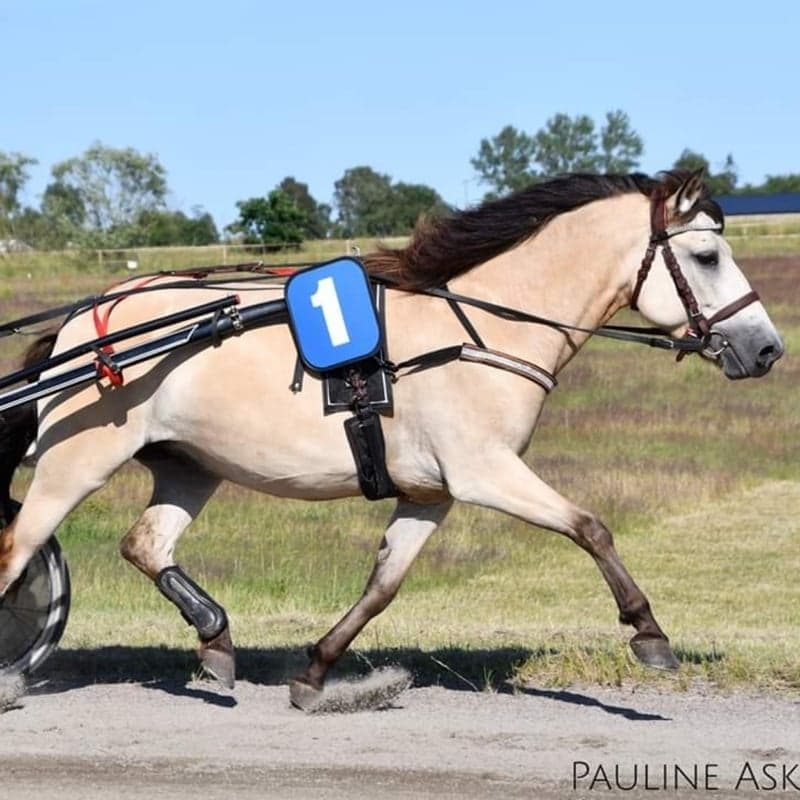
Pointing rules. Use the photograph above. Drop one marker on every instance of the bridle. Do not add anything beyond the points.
(700, 326)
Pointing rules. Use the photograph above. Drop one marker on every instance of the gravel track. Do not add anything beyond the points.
(169, 740)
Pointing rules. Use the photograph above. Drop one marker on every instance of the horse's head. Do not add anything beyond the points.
(689, 283)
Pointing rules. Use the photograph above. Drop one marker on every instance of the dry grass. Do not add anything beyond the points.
(764, 235)
(698, 477)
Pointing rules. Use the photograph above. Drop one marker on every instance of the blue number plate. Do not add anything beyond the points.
(332, 314)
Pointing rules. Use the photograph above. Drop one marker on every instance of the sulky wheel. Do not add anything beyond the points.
(34, 611)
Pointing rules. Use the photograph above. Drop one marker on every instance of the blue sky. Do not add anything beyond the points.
(233, 96)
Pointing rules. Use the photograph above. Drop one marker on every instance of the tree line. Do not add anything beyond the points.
(117, 197)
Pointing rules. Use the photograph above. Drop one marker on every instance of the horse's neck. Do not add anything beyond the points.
(576, 270)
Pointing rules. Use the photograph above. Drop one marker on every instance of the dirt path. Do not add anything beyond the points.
(166, 740)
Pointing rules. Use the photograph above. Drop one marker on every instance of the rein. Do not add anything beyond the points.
(653, 337)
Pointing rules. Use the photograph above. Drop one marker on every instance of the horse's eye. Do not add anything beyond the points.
(708, 259)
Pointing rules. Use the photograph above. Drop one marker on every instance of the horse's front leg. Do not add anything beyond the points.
(408, 530)
(504, 482)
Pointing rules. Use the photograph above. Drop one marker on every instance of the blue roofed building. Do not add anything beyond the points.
(780, 203)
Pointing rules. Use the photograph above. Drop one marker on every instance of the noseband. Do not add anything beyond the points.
(699, 325)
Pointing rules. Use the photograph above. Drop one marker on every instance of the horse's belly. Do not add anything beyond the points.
(280, 471)
(233, 411)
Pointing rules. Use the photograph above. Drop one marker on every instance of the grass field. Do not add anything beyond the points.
(698, 477)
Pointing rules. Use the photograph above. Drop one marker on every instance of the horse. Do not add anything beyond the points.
(575, 250)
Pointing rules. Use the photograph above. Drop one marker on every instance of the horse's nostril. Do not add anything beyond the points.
(768, 355)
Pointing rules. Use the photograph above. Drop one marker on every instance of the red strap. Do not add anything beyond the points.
(104, 367)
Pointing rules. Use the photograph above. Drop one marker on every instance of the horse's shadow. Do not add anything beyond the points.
(171, 670)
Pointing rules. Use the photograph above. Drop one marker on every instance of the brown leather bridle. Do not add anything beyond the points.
(699, 325)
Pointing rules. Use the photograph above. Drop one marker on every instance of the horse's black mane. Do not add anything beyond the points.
(442, 248)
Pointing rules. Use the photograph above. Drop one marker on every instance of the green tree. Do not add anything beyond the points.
(114, 186)
(13, 177)
(363, 199)
(514, 159)
(274, 220)
(774, 184)
(620, 146)
(504, 162)
(170, 228)
(63, 216)
(318, 215)
(566, 144)
(371, 205)
(30, 227)
(410, 201)
(719, 183)
(63, 202)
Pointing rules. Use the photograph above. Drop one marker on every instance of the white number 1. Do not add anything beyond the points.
(326, 298)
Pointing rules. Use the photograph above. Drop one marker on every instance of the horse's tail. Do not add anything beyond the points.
(18, 428)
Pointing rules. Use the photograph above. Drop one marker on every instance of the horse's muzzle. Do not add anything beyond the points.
(750, 356)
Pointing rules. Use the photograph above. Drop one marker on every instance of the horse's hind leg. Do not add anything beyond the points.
(180, 490)
(65, 474)
(408, 530)
(507, 484)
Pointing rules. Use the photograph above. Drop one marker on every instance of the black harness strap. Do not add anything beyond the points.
(16, 326)
(434, 358)
(464, 320)
(297, 378)
(654, 337)
(365, 437)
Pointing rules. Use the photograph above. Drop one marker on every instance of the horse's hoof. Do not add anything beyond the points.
(655, 653)
(303, 695)
(218, 659)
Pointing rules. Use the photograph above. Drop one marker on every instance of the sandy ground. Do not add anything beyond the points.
(166, 739)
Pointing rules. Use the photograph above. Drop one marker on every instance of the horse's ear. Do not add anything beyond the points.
(682, 201)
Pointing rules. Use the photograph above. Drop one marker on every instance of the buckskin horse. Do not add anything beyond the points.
(530, 277)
